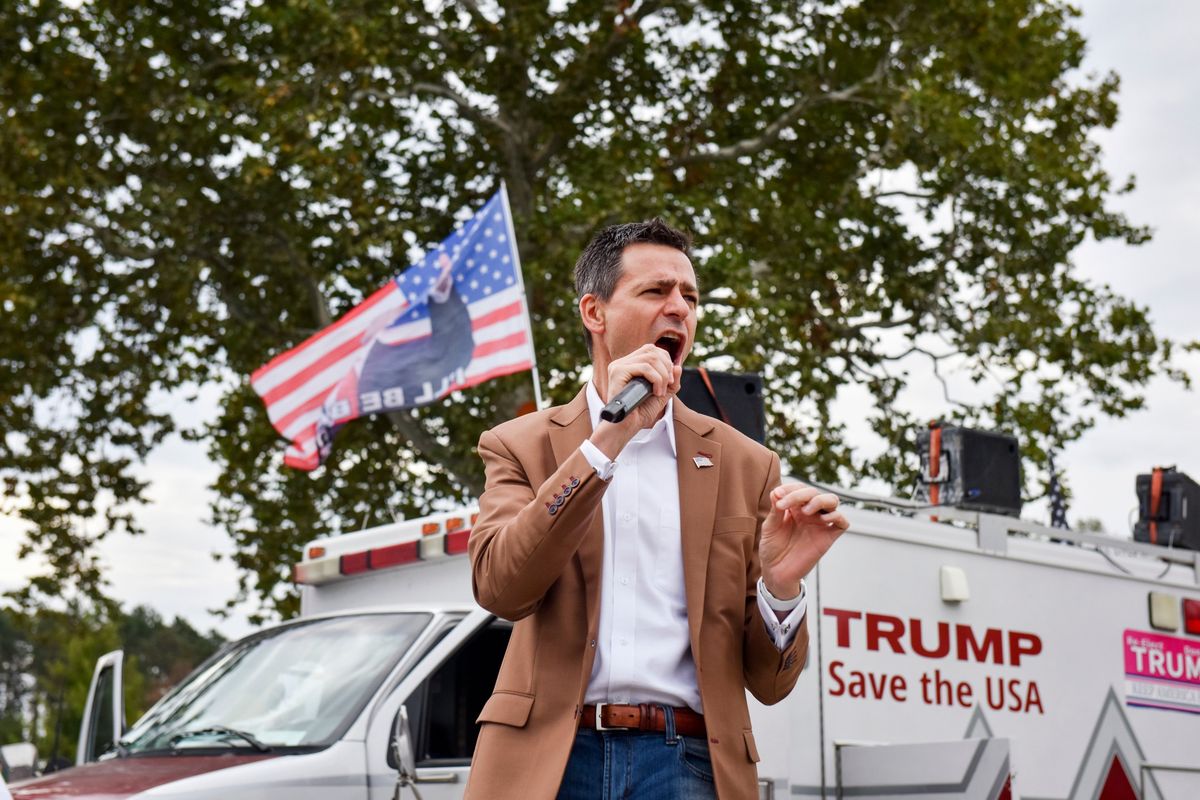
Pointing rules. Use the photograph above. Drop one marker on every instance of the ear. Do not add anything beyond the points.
(592, 312)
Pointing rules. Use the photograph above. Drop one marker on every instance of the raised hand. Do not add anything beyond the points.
(803, 524)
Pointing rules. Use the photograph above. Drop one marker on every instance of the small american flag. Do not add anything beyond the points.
(455, 319)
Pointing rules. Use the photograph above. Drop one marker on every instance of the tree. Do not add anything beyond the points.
(192, 188)
(47, 656)
(13, 683)
(58, 651)
(164, 653)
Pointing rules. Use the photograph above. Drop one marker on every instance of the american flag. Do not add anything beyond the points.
(455, 319)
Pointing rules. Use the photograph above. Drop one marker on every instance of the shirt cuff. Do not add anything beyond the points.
(604, 468)
(783, 631)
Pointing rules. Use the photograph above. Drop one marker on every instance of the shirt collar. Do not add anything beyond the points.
(595, 404)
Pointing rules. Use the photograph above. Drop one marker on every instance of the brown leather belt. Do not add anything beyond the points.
(642, 717)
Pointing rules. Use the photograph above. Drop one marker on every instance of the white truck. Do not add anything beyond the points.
(954, 655)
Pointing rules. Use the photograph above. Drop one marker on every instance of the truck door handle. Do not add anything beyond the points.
(437, 777)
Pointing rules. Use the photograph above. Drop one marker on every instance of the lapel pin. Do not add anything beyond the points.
(702, 460)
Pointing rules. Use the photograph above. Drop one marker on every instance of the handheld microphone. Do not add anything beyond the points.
(626, 400)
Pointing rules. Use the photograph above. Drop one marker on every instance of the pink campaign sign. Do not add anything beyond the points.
(1152, 656)
(1162, 671)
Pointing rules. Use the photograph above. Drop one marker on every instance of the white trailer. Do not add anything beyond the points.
(975, 656)
(951, 656)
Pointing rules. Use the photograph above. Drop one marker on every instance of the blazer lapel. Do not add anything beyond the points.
(698, 487)
(569, 426)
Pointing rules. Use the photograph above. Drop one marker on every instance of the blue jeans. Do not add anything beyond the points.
(630, 765)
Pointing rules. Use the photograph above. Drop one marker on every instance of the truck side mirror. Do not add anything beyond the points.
(402, 749)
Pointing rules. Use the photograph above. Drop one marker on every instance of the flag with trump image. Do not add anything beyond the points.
(452, 320)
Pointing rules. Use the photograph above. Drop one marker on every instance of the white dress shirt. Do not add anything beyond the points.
(643, 652)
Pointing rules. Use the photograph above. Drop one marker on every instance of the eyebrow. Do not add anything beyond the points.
(667, 283)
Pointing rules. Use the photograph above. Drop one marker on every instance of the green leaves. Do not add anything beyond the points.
(189, 190)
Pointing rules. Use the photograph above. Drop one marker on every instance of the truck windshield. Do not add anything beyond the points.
(296, 686)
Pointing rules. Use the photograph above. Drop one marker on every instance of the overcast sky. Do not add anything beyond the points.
(172, 567)
(1151, 46)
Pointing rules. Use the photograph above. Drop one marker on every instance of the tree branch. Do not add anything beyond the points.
(853, 331)
(471, 112)
(881, 324)
(935, 359)
(477, 14)
(460, 471)
(577, 85)
(859, 366)
(775, 129)
(903, 193)
(238, 309)
(113, 244)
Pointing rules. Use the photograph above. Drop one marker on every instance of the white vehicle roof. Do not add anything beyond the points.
(420, 564)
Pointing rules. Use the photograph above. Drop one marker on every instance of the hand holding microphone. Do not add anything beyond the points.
(639, 387)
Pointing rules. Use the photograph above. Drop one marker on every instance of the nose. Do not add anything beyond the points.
(677, 304)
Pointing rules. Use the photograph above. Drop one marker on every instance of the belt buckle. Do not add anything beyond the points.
(600, 726)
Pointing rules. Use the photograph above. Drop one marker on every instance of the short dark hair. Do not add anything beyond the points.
(599, 266)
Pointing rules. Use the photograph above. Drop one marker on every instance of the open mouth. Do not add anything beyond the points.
(673, 344)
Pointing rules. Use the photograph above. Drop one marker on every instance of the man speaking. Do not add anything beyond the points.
(653, 565)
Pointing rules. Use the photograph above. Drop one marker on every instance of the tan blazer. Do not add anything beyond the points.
(536, 552)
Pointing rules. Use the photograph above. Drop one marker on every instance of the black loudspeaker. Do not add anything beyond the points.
(976, 470)
(741, 397)
(1176, 522)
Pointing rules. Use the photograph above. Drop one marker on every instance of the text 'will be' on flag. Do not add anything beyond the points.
(453, 320)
